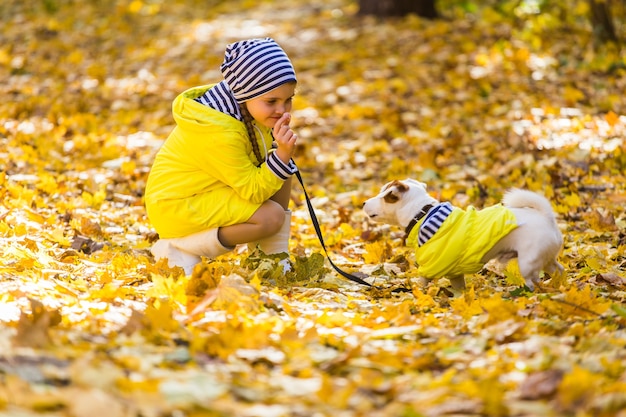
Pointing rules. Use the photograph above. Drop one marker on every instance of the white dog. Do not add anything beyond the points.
(451, 242)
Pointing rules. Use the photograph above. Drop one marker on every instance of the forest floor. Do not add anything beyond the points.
(93, 326)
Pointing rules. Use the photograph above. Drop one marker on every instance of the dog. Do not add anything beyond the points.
(452, 242)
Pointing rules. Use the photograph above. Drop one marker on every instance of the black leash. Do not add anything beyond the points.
(316, 225)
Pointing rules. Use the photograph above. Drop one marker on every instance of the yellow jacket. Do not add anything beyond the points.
(462, 240)
(206, 175)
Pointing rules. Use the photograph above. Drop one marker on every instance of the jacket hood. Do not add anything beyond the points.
(193, 116)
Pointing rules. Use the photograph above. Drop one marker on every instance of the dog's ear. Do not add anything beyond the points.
(416, 182)
(394, 191)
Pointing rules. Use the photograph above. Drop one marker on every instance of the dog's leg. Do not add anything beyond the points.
(530, 270)
(556, 272)
(554, 266)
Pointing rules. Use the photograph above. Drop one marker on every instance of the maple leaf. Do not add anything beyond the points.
(169, 287)
(377, 252)
(232, 290)
(601, 222)
(205, 277)
(575, 302)
(159, 316)
(466, 305)
(513, 275)
(308, 268)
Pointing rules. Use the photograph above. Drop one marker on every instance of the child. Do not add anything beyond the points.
(223, 176)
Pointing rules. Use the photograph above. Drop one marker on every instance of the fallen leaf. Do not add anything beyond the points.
(33, 330)
(541, 384)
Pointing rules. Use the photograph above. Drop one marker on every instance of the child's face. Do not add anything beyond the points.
(269, 107)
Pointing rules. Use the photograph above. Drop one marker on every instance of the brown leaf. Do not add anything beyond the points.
(90, 227)
(541, 384)
(86, 244)
(135, 323)
(32, 329)
(69, 256)
(600, 222)
(612, 278)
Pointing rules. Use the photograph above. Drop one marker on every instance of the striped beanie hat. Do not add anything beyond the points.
(254, 67)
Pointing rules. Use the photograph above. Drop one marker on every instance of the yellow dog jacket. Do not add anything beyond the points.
(451, 241)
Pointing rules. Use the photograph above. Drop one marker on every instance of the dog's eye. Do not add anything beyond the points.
(391, 198)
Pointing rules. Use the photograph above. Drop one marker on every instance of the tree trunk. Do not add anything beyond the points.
(423, 8)
(602, 21)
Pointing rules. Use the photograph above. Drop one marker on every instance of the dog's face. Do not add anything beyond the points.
(397, 202)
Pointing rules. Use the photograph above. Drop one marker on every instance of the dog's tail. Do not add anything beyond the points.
(518, 198)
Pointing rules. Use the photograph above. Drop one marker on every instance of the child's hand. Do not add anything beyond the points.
(285, 138)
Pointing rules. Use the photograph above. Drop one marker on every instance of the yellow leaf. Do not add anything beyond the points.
(513, 275)
(94, 200)
(47, 183)
(572, 95)
(135, 6)
(169, 287)
(128, 167)
(5, 56)
(586, 299)
(482, 59)
(466, 305)
(423, 301)
(34, 216)
(20, 230)
(160, 316)
(500, 310)
(572, 201)
(578, 387)
(255, 282)
(232, 290)
(595, 263)
(75, 57)
(600, 222)
(377, 252)
(448, 193)
(611, 118)
(575, 302)
(558, 280)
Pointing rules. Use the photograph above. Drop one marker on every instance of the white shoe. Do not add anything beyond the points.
(277, 243)
(186, 251)
(205, 243)
(163, 248)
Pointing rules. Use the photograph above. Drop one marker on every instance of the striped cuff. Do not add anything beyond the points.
(279, 168)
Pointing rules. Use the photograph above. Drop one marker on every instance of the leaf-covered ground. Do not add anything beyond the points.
(472, 104)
